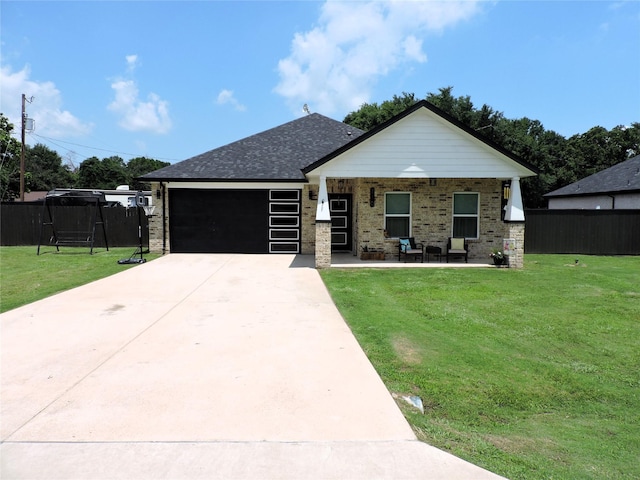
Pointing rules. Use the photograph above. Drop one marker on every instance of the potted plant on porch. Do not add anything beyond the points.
(498, 256)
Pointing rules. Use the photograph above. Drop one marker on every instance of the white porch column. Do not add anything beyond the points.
(323, 227)
(515, 208)
(514, 219)
(322, 210)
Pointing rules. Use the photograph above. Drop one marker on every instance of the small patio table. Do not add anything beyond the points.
(435, 251)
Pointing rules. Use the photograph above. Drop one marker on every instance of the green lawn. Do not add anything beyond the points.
(532, 374)
(26, 277)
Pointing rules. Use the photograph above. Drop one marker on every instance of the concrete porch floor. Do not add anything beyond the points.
(349, 260)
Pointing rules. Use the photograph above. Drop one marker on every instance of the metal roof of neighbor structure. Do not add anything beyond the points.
(278, 154)
(622, 177)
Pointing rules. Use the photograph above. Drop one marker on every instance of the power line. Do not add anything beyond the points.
(53, 140)
(69, 151)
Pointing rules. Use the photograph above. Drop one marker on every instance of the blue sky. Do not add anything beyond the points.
(170, 80)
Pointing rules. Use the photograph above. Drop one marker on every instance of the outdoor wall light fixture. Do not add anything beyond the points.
(372, 197)
(312, 195)
(158, 193)
(433, 182)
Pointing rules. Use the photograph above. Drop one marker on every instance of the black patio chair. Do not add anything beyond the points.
(407, 246)
(457, 247)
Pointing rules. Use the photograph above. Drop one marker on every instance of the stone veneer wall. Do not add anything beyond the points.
(516, 231)
(323, 244)
(308, 225)
(432, 214)
(155, 222)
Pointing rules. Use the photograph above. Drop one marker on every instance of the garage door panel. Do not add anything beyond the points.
(219, 221)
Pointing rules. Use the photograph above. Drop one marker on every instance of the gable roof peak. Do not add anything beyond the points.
(424, 104)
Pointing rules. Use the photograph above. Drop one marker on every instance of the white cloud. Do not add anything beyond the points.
(46, 107)
(226, 97)
(132, 61)
(137, 115)
(335, 66)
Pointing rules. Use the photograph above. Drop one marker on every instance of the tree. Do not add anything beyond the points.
(560, 161)
(110, 172)
(485, 121)
(104, 174)
(9, 161)
(139, 166)
(44, 170)
(542, 148)
(598, 149)
(372, 115)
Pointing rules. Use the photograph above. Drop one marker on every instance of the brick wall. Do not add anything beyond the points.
(431, 213)
(155, 222)
(516, 232)
(323, 244)
(308, 234)
(308, 227)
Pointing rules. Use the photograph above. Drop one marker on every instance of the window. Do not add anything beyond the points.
(397, 214)
(465, 215)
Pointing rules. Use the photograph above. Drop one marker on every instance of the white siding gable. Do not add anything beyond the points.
(422, 145)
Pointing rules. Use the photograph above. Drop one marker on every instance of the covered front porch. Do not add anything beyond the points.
(354, 223)
(348, 260)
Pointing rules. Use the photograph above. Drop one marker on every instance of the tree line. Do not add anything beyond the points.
(560, 160)
(45, 169)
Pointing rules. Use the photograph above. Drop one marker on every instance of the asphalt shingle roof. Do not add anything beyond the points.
(278, 154)
(622, 177)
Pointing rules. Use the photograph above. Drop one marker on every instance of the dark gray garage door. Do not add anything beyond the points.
(234, 221)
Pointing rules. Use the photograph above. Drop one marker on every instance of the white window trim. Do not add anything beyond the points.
(476, 216)
(397, 215)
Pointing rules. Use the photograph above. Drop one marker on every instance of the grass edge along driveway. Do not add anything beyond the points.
(26, 277)
(531, 373)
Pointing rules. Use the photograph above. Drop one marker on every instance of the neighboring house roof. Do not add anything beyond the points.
(622, 177)
(438, 112)
(278, 154)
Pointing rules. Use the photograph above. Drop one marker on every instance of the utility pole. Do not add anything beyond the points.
(24, 128)
(24, 121)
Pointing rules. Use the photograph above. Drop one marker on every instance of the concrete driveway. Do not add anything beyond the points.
(201, 366)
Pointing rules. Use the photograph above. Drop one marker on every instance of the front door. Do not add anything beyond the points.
(341, 229)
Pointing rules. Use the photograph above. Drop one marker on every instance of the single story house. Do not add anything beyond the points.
(615, 188)
(316, 185)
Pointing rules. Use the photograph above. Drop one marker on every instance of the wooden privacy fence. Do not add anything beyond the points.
(20, 224)
(587, 232)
